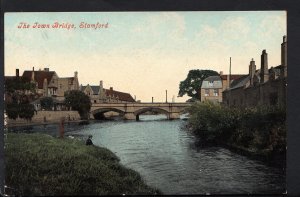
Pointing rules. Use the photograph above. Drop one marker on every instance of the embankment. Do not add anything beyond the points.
(38, 164)
(45, 117)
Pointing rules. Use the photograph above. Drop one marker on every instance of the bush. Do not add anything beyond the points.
(257, 128)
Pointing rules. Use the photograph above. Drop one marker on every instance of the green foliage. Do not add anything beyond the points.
(47, 103)
(19, 107)
(11, 85)
(213, 120)
(77, 100)
(21, 110)
(260, 128)
(41, 165)
(26, 111)
(192, 84)
(12, 110)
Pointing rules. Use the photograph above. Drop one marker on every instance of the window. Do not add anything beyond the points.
(206, 92)
(95, 101)
(211, 83)
(216, 92)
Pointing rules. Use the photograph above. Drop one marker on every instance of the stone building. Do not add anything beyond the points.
(48, 84)
(265, 86)
(98, 94)
(213, 86)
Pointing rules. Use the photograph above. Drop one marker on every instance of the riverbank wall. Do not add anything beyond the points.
(45, 117)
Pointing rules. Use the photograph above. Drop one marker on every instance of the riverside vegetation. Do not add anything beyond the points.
(259, 131)
(39, 164)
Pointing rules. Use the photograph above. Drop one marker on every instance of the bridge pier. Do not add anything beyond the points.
(172, 116)
(129, 116)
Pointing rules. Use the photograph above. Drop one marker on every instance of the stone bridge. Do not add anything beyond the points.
(131, 111)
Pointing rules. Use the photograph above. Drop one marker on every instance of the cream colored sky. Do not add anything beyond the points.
(143, 53)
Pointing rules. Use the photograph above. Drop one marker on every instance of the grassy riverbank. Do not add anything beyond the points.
(38, 164)
(259, 131)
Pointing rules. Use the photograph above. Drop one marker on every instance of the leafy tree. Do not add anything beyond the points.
(12, 110)
(26, 111)
(19, 106)
(18, 84)
(78, 101)
(192, 84)
(47, 103)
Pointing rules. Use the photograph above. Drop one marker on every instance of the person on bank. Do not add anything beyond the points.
(89, 140)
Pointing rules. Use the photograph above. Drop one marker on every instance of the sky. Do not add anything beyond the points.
(142, 53)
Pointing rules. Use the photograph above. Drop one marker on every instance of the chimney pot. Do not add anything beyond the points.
(111, 88)
(17, 72)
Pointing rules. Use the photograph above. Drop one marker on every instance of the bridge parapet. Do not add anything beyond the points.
(133, 110)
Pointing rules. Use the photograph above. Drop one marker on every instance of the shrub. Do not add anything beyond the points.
(259, 128)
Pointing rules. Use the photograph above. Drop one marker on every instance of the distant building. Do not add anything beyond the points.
(48, 84)
(98, 94)
(260, 87)
(213, 86)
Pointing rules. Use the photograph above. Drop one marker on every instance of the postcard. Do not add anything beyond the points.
(122, 103)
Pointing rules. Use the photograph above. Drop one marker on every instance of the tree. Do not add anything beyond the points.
(12, 110)
(78, 101)
(192, 84)
(26, 111)
(47, 103)
(19, 103)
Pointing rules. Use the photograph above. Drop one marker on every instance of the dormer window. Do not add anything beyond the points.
(211, 83)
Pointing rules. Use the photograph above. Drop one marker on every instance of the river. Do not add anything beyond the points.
(170, 158)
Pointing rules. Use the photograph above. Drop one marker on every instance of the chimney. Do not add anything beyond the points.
(101, 84)
(46, 69)
(252, 69)
(221, 72)
(229, 76)
(284, 57)
(75, 74)
(32, 74)
(17, 73)
(264, 72)
(111, 88)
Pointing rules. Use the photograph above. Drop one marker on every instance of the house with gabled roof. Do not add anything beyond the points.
(49, 84)
(213, 86)
(265, 86)
(98, 94)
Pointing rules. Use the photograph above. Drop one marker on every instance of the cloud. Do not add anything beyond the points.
(234, 28)
(207, 33)
(169, 23)
(273, 24)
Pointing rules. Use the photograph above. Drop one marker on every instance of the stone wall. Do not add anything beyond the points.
(46, 117)
(267, 94)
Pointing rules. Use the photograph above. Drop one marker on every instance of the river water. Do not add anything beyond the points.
(170, 158)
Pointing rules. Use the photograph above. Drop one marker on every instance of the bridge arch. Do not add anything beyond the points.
(150, 109)
(99, 113)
